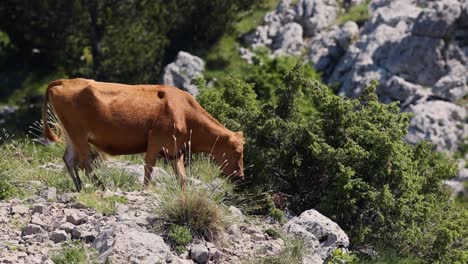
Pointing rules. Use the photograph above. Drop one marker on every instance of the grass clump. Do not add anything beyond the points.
(7, 190)
(292, 253)
(73, 253)
(357, 13)
(274, 233)
(104, 204)
(181, 236)
(197, 208)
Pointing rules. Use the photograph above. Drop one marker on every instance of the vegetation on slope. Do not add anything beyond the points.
(349, 161)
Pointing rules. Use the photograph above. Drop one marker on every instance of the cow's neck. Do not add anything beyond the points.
(212, 139)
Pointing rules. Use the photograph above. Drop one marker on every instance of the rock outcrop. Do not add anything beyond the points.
(183, 71)
(321, 235)
(416, 49)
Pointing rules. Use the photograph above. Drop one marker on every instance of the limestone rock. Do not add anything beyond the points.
(58, 236)
(200, 253)
(441, 122)
(75, 217)
(183, 71)
(315, 15)
(321, 235)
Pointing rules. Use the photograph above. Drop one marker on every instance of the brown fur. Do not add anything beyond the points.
(123, 119)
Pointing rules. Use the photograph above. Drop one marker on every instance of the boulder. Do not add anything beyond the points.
(438, 20)
(441, 122)
(183, 71)
(327, 48)
(289, 39)
(131, 244)
(75, 217)
(200, 253)
(58, 236)
(316, 15)
(49, 193)
(31, 229)
(321, 235)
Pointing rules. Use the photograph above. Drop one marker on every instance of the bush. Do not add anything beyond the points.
(349, 161)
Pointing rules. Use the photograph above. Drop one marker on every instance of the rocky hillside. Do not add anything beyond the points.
(416, 49)
(38, 228)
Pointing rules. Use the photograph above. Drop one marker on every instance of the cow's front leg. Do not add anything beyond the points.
(151, 155)
(179, 170)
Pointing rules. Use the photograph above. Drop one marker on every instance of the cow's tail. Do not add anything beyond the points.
(48, 133)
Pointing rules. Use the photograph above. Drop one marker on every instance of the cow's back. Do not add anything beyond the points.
(115, 117)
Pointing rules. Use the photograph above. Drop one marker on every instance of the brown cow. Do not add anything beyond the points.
(123, 119)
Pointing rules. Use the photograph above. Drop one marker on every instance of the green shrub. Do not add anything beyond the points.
(273, 233)
(181, 236)
(349, 160)
(277, 214)
(339, 256)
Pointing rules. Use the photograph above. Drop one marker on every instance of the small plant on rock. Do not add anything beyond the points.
(181, 236)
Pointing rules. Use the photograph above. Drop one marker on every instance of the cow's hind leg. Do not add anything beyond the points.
(71, 158)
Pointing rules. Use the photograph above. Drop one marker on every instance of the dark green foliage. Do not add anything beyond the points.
(275, 234)
(181, 236)
(277, 215)
(350, 162)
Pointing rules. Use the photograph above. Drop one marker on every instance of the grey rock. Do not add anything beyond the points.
(441, 122)
(132, 243)
(35, 219)
(451, 87)
(200, 253)
(49, 193)
(75, 217)
(321, 235)
(398, 89)
(289, 39)
(316, 15)
(77, 233)
(247, 55)
(67, 227)
(67, 197)
(438, 20)
(183, 71)
(19, 209)
(31, 229)
(58, 236)
(328, 47)
(39, 209)
(104, 242)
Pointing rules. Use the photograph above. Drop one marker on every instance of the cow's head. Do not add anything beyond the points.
(234, 152)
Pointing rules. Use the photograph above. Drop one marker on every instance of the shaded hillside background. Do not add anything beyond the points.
(349, 159)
